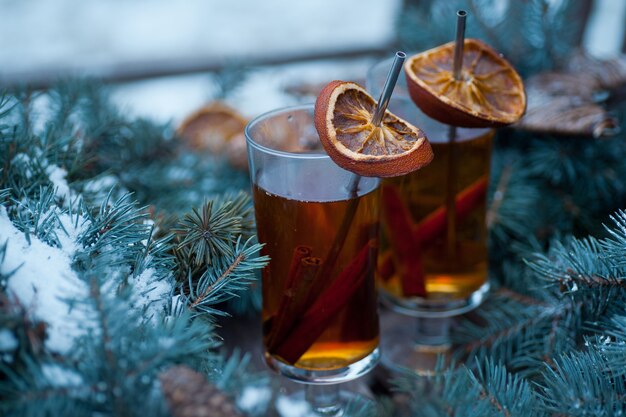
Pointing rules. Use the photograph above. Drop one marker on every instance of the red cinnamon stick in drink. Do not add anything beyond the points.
(403, 242)
(293, 303)
(434, 225)
(326, 307)
(413, 278)
(386, 268)
(300, 252)
(407, 238)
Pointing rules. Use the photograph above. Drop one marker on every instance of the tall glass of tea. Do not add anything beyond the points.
(433, 261)
(320, 320)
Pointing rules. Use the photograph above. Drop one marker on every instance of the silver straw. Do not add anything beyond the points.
(385, 95)
(451, 186)
(459, 43)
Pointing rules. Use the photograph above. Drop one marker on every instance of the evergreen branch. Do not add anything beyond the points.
(578, 385)
(521, 336)
(7, 104)
(235, 372)
(520, 298)
(5, 193)
(615, 245)
(117, 226)
(39, 217)
(156, 253)
(218, 281)
(106, 343)
(488, 391)
(41, 389)
(241, 206)
(507, 393)
(217, 284)
(4, 276)
(581, 270)
(210, 234)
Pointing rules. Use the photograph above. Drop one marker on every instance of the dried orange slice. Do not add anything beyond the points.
(489, 93)
(343, 119)
(212, 127)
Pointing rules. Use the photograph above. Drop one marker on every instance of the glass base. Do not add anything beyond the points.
(305, 403)
(415, 345)
(422, 307)
(333, 376)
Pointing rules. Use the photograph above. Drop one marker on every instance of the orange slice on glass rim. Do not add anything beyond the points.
(212, 127)
(343, 120)
(489, 93)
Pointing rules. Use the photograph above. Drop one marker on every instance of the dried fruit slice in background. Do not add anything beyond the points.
(564, 104)
(212, 127)
(489, 93)
(343, 120)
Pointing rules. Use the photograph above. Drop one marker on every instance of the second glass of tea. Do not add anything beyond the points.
(433, 260)
(319, 224)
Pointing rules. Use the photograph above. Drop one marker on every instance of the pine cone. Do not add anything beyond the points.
(189, 394)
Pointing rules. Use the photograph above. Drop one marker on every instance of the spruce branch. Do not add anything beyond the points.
(42, 388)
(117, 224)
(155, 253)
(221, 282)
(235, 373)
(508, 394)
(39, 217)
(486, 390)
(615, 245)
(579, 385)
(581, 270)
(521, 332)
(209, 234)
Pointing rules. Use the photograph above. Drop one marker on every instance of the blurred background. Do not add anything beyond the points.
(163, 59)
(167, 57)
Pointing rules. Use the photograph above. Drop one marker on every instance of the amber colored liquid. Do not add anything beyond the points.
(451, 270)
(283, 224)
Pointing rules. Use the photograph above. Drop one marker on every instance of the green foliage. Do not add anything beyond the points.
(551, 333)
(224, 279)
(487, 390)
(80, 179)
(534, 35)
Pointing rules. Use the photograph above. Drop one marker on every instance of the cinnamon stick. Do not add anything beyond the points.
(333, 253)
(325, 308)
(407, 238)
(413, 277)
(386, 268)
(434, 225)
(300, 252)
(403, 242)
(293, 304)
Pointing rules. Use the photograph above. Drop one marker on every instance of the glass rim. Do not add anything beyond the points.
(254, 144)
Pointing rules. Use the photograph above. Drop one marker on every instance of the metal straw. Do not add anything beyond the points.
(459, 43)
(385, 95)
(457, 65)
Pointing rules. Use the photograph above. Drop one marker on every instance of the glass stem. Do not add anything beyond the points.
(431, 345)
(433, 331)
(325, 400)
